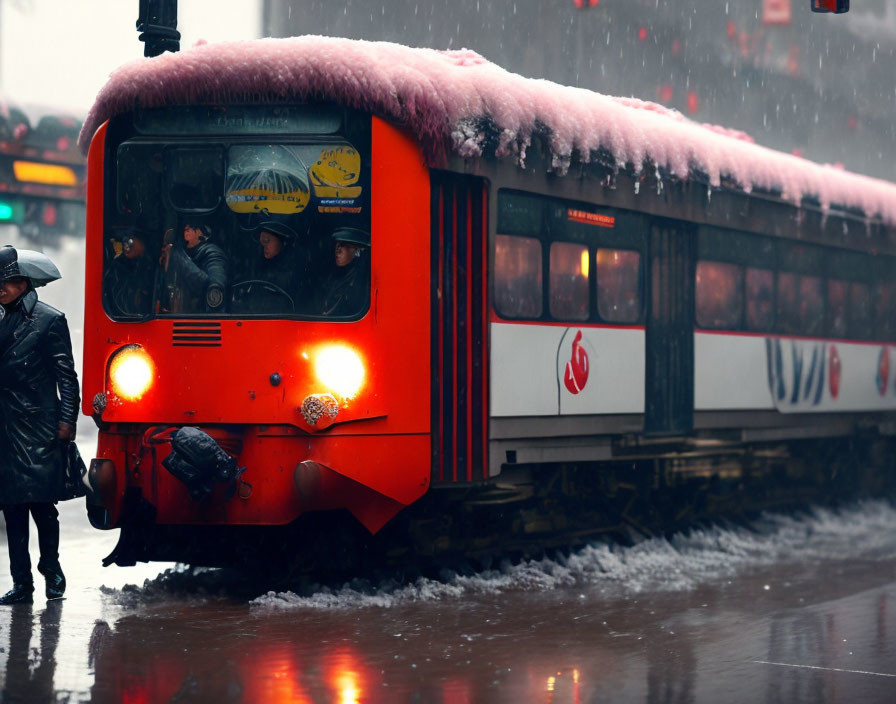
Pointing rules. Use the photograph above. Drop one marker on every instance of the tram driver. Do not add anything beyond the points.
(197, 274)
(270, 286)
(345, 290)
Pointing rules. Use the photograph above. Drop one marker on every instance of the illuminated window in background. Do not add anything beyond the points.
(720, 297)
(518, 280)
(800, 304)
(760, 293)
(885, 311)
(619, 285)
(837, 307)
(569, 299)
(860, 323)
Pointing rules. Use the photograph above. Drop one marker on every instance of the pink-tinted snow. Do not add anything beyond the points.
(443, 95)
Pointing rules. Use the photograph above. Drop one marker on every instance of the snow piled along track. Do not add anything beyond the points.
(683, 562)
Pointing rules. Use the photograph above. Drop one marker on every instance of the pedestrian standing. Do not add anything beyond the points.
(39, 400)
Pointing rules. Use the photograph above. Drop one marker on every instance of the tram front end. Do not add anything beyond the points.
(234, 388)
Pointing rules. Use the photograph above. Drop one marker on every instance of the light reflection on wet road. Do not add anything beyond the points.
(810, 631)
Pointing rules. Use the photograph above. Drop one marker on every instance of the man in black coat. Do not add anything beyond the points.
(128, 280)
(200, 271)
(39, 400)
(347, 289)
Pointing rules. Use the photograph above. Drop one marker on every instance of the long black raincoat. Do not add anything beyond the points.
(38, 389)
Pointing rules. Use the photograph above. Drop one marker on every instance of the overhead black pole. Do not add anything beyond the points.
(157, 25)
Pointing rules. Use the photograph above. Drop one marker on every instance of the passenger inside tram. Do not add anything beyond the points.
(344, 292)
(129, 279)
(196, 274)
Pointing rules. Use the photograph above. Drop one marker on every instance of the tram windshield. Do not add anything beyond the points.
(209, 218)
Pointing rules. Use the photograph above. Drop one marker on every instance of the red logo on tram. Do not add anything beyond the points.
(883, 370)
(576, 375)
(834, 372)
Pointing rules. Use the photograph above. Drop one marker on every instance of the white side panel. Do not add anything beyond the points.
(552, 370)
(792, 375)
(730, 372)
(808, 375)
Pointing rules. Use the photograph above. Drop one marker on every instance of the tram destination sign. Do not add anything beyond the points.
(240, 119)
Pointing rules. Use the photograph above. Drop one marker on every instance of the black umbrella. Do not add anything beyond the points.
(37, 267)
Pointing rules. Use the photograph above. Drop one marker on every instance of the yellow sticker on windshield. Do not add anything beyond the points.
(333, 178)
(268, 190)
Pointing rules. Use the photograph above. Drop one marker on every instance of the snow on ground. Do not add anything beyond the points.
(682, 562)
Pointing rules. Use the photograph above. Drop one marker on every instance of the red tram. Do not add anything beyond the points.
(563, 293)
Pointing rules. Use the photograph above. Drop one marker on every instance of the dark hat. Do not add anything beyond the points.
(9, 263)
(282, 230)
(353, 235)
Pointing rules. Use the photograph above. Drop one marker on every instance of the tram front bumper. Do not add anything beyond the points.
(322, 488)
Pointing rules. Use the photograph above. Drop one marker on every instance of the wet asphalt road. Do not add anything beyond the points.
(811, 624)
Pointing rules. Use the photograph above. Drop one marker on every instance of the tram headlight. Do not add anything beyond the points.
(341, 370)
(131, 373)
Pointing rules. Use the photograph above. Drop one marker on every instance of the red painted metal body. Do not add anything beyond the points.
(376, 456)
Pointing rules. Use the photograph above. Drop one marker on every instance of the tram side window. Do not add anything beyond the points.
(618, 285)
(800, 304)
(760, 295)
(720, 295)
(860, 322)
(518, 278)
(837, 308)
(569, 299)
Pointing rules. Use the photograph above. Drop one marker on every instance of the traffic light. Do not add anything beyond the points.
(11, 211)
(838, 6)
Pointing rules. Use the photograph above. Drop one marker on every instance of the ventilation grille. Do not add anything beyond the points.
(196, 334)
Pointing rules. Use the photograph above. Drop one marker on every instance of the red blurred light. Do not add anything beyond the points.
(665, 92)
(732, 30)
(642, 33)
(776, 11)
(793, 60)
(63, 143)
(49, 215)
(693, 101)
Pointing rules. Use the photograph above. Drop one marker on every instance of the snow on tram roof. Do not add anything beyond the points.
(447, 97)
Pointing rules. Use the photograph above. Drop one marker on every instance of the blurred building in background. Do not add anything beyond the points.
(821, 86)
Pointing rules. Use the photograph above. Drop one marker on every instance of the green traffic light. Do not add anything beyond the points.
(6, 211)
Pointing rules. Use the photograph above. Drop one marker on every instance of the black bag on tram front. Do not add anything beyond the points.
(200, 462)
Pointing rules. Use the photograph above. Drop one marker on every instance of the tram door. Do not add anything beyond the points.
(669, 382)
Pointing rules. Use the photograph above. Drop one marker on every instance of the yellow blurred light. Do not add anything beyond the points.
(131, 373)
(585, 263)
(348, 690)
(51, 174)
(575, 676)
(341, 370)
(551, 682)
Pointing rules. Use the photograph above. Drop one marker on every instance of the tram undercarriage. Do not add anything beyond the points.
(667, 486)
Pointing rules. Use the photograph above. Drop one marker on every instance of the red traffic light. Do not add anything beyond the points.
(838, 6)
